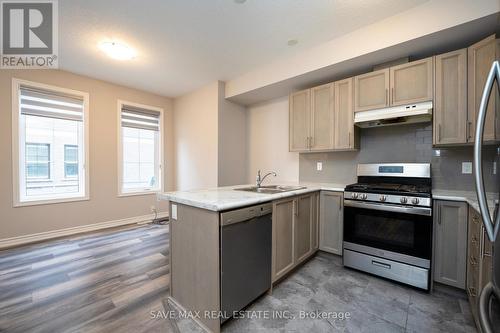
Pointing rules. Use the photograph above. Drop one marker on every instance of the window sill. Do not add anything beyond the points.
(137, 193)
(50, 201)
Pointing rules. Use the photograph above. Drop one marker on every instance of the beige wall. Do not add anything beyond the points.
(267, 140)
(232, 157)
(104, 204)
(196, 138)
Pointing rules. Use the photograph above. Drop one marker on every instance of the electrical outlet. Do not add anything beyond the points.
(466, 168)
(319, 166)
(173, 213)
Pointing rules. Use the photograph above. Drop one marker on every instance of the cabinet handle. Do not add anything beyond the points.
(469, 133)
(349, 139)
(482, 245)
(386, 96)
(392, 95)
(472, 261)
(296, 205)
(439, 132)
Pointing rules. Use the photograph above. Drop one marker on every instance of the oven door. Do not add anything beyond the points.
(394, 228)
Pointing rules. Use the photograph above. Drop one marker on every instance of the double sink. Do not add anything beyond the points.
(270, 189)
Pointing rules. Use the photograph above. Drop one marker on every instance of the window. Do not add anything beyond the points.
(49, 162)
(70, 161)
(140, 149)
(37, 161)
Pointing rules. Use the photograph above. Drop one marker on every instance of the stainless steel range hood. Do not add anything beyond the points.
(406, 114)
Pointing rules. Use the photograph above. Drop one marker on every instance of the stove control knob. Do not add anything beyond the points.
(354, 195)
(383, 198)
(415, 201)
(364, 196)
(404, 200)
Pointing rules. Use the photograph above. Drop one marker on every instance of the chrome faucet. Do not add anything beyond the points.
(259, 179)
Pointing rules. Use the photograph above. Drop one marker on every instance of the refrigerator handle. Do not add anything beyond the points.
(484, 305)
(491, 230)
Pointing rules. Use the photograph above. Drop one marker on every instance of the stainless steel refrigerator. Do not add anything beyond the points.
(491, 292)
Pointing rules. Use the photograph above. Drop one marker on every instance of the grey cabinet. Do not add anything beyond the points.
(479, 260)
(322, 122)
(480, 57)
(346, 134)
(371, 90)
(303, 227)
(331, 222)
(450, 243)
(411, 82)
(450, 98)
(294, 232)
(300, 120)
(283, 233)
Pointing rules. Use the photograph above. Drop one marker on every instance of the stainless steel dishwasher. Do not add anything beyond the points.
(245, 256)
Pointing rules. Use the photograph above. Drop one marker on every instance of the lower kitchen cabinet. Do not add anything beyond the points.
(479, 263)
(303, 225)
(450, 243)
(331, 222)
(283, 233)
(295, 231)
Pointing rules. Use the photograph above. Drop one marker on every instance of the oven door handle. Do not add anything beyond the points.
(425, 211)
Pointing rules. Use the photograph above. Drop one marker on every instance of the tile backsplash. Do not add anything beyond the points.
(405, 143)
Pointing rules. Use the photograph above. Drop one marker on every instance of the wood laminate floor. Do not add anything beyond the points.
(108, 281)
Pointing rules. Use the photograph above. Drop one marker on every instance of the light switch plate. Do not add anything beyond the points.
(319, 166)
(466, 168)
(173, 213)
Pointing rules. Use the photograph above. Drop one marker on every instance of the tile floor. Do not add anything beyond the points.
(374, 304)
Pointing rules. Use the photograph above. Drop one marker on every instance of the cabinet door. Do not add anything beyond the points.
(411, 82)
(450, 243)
(322, 126)
(371, 90)
(473, 278)
(315, 223)
(344, 115)
(450, 100)
(480, 57)
(283, 242)
(300, 116)
(302, 228)
(331, 222)
(485, 257)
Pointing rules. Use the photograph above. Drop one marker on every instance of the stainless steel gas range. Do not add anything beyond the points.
(388, 222)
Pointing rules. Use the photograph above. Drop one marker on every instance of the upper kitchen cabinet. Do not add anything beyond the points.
(322, 122)
(345, 132)
(411, 82)
(371, 90)
(450, 98)
(480, 57)
(300, 115)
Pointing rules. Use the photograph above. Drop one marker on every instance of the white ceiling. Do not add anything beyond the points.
(185, 44)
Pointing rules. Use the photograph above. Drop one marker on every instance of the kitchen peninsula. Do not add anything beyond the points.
(198, 226)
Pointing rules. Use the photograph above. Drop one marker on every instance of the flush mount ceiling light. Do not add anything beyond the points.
(292, 42)
(117, 50)
(240, 1)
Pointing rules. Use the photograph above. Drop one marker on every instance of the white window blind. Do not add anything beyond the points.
(140, 118)
(43, 103)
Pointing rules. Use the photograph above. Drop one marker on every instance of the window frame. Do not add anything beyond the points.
(17, 150)
(161, 161)
(66, 177)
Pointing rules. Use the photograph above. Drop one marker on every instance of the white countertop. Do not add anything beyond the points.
(224, 198)
(467, 196)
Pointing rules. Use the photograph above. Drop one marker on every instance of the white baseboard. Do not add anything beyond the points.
(32, 238)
